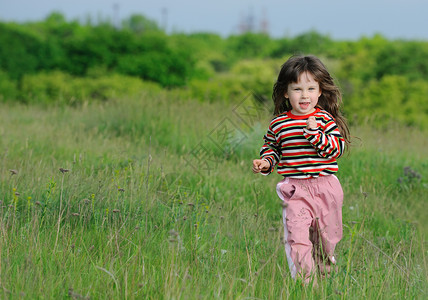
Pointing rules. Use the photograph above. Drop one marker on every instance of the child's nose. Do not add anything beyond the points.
(305, 94)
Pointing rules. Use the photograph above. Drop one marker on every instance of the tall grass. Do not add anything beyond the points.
(131, 214)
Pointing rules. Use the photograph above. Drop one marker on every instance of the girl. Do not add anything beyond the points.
(304, 140)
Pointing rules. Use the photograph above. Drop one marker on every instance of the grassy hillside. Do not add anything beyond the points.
(153, 197)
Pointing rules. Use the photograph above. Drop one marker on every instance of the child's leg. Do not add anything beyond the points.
(297, 219)
(297, 225)
(321, 258)
(329, 223)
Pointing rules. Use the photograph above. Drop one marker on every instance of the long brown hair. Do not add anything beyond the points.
(330, 99)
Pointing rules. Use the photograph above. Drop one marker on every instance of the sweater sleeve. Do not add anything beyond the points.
(327, 140)
(271, 150)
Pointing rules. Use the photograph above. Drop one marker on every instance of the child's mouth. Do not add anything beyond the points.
(304, 105)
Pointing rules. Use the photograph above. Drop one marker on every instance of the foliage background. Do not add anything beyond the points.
(47, 61)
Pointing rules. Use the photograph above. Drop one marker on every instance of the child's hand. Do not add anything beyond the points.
(260, 165)
(311, 123)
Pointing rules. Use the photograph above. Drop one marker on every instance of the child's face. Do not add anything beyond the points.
(303, 95)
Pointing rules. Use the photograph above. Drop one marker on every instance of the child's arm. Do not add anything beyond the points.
(270, 152)
(328, 143)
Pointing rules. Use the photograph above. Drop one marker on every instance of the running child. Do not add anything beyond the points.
(304, 140)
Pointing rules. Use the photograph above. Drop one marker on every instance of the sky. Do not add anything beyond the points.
(340, 19)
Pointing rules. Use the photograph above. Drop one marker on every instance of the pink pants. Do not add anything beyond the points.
(312, 217)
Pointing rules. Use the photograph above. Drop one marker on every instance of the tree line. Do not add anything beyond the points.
(52, 58)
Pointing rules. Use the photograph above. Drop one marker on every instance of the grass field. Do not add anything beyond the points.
(154, 198)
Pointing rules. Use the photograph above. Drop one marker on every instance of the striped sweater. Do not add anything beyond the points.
(299, 152)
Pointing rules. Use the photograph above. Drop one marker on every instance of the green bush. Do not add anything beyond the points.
(8, 88)
(223, 88)
(159, 67)
(19, 51)
(402, 58)
(257, 75)
(154, 56)
(61, 88)
(112, 86)
(391, 99)
(249, 45)
(48, 87)
(207, 48)
(246, 76)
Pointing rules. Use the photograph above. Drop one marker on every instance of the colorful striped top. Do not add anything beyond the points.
(299, 152)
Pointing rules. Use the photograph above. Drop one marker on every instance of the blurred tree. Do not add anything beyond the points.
(98, 46)
(19, 51)
(139, 24)
(167, 68)
(311, 42)
(392, 98)
(8, 88)
(208, 49)
(402, 58)
(55, 25)
(249, 45)
(55, 20)
(282, 47)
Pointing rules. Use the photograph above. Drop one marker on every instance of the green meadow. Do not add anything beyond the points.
(152, 197)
